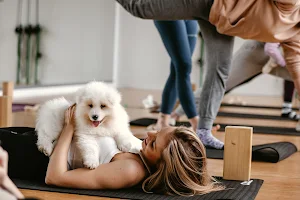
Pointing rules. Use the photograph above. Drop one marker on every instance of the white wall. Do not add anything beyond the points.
(143, 60)
(144, 63)
(78, 45)
(77, 41)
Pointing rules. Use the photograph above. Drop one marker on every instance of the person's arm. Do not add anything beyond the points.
(292, 58)
(117, 174)
(57, 172)
(5, 181)
(272, 50)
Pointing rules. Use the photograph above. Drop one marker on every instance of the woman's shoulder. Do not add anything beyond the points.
(134, 160)
(133, 165)
(126, 156)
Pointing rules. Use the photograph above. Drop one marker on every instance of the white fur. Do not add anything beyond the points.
(113, 117)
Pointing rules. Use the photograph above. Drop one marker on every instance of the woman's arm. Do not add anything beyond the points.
(113, 175)
(58, 162)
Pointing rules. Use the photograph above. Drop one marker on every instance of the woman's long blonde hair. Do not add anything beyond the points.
(182, 169)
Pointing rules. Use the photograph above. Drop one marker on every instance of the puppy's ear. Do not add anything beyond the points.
(79, 95)
(114, 97)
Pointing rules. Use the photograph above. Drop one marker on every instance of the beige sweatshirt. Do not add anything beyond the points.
(262, 20)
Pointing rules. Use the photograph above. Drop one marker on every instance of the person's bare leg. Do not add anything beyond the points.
(194, 122)
(162, 121)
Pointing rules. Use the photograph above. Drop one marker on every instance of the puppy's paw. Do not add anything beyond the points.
(131, 144)
(125, 146)
(91, 163)
(46, 149)
(135, 148)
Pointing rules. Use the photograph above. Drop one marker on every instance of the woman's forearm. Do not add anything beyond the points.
(58, 163)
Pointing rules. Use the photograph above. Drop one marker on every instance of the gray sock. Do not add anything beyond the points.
(208, 139)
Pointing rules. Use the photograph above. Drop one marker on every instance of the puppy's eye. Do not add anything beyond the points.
(91, 105)
(103, 106)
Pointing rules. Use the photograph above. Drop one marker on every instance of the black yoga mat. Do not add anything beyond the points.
(25, 160)
(255, 106)
(256, 129)
(268, 130)
(245, 115)
(235, 191)
(273, 152)
(253, 116)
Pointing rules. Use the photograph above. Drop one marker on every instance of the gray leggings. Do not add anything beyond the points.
(218, 47)
(246, 64)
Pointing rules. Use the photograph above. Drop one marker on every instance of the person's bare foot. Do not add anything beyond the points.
(162, 121)
(175, 116)
(194, 122)
(215, 128)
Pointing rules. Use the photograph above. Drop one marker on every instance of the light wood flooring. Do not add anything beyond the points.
(281, 180)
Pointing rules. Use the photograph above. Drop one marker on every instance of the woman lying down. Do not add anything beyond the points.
(171, 161)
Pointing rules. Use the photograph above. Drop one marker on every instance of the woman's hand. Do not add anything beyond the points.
(69, 117)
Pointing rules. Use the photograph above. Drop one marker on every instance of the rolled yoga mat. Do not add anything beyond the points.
(256, 129)
(19, 107)
(273, 152)
(235, 190)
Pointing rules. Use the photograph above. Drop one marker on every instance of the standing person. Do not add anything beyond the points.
(249, 62)
(275, 21)
(179, 38)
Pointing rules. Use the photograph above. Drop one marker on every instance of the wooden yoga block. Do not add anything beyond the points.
(5, 111)
(8, 88)
(237, 153)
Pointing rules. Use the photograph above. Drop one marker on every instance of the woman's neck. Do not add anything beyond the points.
(146, 163)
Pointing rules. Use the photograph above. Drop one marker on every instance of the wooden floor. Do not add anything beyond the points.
(281, 180)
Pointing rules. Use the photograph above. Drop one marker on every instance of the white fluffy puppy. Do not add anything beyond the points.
(98, 113)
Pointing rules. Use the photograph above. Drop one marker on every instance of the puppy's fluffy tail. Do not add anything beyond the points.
(50, 119)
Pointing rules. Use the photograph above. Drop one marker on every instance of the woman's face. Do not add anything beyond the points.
(155, 143)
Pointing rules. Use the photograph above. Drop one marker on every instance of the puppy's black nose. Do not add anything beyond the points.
(95, 117)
